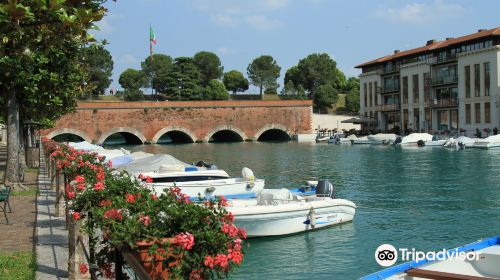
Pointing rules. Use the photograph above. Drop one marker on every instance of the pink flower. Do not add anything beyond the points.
(222, 261)
(71, 195)
(149, 179)
(185, 240)
(154, 197)
(229, 229)
(110, 164)
(146, 220)
(80, 187)
(209, 261)
(222, 201)
(130, 198)
(99, 186)
(76, 216)
(80, 179)
(83, 268)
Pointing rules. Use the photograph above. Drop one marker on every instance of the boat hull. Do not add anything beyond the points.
(213, 187)
(289, 221)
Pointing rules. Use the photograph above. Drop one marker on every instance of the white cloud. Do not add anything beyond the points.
(419, 13)
(275, 4)
(224, 50)
(129, 59)
(263, 23)
(224, 20)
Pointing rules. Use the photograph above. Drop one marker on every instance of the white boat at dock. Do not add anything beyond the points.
(414, 139)
(436, 143)
(480, 260)
(488, 142)
(382, 138)
(361, 141)
(280, 212)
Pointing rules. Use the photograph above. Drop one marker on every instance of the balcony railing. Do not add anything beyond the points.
(389, 107)
(444, 80)
(443, 103)
(442, 59)
(388, 89)
(390, 69)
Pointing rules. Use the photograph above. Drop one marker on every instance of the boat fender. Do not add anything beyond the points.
(312, 217)
(210, 189)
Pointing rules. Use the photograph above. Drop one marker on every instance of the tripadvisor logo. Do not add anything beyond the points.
(386, 255)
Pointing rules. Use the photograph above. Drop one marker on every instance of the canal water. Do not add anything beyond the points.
(422, 198)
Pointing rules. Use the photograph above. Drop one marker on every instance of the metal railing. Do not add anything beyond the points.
(390, 69)
(445, 102)
(442, 59)
(387, 89)
(443, 80)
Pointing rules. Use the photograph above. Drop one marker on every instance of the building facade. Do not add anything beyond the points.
(444, 86)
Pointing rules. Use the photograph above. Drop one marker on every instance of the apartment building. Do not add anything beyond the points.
(445, 86)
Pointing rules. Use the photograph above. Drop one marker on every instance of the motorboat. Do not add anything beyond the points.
(341, 138)
(361, 140)
(323, 139)
(166, 172)
(460, 142)
(279, 211)
(436, 143)
(479, 260)
(414, 139)
(488, 142)
(382, 138)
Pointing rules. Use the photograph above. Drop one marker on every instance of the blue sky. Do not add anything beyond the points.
(238, 31)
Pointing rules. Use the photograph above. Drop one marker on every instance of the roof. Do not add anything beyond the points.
(435, 46)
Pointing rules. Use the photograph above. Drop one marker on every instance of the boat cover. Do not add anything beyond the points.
(86, 146)
(415, 137)
(491, 139)
(151, 164)
(274, 196)
(121, 160)
(465, 140)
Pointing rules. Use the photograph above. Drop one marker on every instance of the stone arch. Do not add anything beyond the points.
(168, 129)
(234, 129)
(130, 130)
(76, 132)
(270, 127)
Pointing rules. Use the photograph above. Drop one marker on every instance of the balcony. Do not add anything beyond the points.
(444, 103)
(442, 59)
(389, 107)
(444, 80)
(390, 69)
(388, 89)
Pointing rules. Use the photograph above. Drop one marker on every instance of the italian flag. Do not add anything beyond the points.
(152, 35)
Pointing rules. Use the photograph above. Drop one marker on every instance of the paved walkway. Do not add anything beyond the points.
(52, 238)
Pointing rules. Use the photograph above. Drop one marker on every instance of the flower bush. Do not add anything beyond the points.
(126, 211)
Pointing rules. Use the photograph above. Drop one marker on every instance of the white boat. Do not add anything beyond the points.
(382, 138)
(279, 212)
(462, 141)
(167, 172)
(413, 139)
(488, 142)
(436, 143)
(361, 140)
(323, 139)
(480, 260)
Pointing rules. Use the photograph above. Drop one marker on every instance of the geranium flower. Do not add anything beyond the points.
(146, 220)
(99, 186)
(130, 198)
(76, 216)
(83, 268)
(185, 240)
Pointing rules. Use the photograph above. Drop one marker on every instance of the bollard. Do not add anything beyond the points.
(77, 246)
(60, 207)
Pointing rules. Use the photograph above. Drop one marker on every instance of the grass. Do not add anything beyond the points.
(17, 266)
(28, 192)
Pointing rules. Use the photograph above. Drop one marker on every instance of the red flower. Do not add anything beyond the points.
(110, 164)
(209, 261)
(99, 186)
(229, 218)
(242, 233)
(71, 195)
(154, 197)
(130, 198)
(76, 216)
(149, 179)
(222, 201)
(235, 256)
(185, 240)
(80, 187)
(146, 220)
(113, 214)
(83, 268)
(105, 203)
(222, 261)
(229, 229)
(80, 179)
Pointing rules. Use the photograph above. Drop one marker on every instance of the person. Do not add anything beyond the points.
(495, 131)
(478, 133)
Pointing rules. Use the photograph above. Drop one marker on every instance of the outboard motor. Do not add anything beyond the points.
(325, 189)
(420, 143)
(461, 145)
(398, 140)
(201, 163)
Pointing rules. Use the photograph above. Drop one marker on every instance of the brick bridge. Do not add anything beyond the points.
(189, 121)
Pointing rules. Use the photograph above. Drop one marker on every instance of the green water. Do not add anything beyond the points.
(422, 198)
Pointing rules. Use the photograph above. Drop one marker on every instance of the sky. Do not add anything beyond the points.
(350, 31)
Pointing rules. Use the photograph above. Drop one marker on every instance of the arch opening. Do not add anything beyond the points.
(226, 135)
(274, 135)
(67, 137)
(121, 138)
(175, 136)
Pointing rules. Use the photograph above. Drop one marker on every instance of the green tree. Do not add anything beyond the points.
(235, 81)
(263, 72)
(133, 95)
(209, 65)
(100, 65)
(290, 91)
(40, 58)
(132, 79)
(157, 71)
(325, 96)
(184, 80)
(351, 84)
(352, 101)
(216, 91)
(292, 75)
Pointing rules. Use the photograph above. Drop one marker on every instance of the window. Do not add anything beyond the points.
(486, 79)
(375, 90)
(467, 113)
(427, 90)
(477, 81)
(405, 90)
(365, 94)
(478, 112)
(487, 117)
(415, 89)
(370, 92)
(467, 81)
